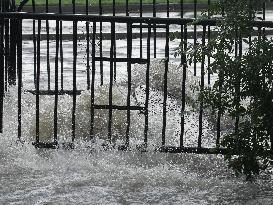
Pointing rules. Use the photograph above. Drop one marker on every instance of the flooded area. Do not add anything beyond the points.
(89, 174)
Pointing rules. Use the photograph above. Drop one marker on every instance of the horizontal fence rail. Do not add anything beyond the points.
(101, 58)
(121, 19)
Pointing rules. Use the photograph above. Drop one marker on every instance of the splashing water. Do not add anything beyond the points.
(90, 175)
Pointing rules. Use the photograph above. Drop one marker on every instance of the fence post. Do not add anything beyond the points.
(12, 52)
(5, 5)
(2, 72)
(9, 6)
(2, 69)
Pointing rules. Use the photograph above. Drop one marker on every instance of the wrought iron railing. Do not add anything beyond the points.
(11, 39)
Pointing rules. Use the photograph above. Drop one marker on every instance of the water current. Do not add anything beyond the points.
(89, 174)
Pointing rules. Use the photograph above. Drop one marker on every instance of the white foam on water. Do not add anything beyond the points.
(90, 175)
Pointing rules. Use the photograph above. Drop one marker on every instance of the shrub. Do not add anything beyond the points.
(244, 88)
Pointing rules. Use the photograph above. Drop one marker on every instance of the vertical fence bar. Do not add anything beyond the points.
(220, 109)
(219, 112)
(34, 42)
(201, 90)
(181, 30)
(73, 6)
(74, 80)
(61, 47)
(129, 55)
(47, 50)
(87, 48)
(237, 86)
(115, 46)
(165, 87)
(127, 7)
(5, 7)
(111, 82)
(154, 15)
(19, 75)
(236, 43)
(6, 36)
(168, 8)
(184, 64)
(93, 80)
(12, 53)
(264, 7)
(100, 50)
(74, 72)
(2, 72)
(250, 17)
(194, 37)
(38, 81)
(56, 83)
(209, 37)
(147, 89)
(140, 29)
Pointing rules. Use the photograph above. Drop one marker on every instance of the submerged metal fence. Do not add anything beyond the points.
(11, 43)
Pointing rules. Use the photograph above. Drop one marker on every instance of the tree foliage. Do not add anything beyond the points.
(244, 88)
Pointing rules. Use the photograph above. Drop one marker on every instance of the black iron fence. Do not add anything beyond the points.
(11, 42)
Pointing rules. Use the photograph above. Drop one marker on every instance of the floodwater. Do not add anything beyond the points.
(91, 175)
